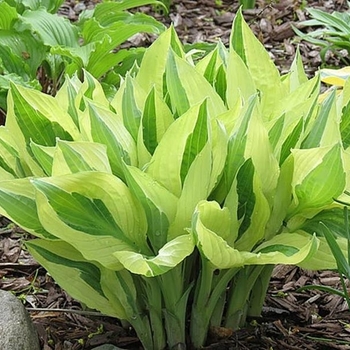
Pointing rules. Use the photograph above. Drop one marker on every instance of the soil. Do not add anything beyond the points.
(291, 319)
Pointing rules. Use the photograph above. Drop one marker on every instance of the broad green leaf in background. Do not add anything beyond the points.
(73, 59)
(50, 5)
(107, 30)
(8, 78)
(21, 52)
(8, 16)
(11, 64)
(54, 30)
(118, 26)
(35, 39)
(115, 7)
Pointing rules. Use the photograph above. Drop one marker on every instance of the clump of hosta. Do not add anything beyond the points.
(39, 47)
(169, 204)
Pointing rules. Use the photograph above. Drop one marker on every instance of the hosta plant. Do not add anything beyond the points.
(168, 205)
(38, 47)
(332, 32)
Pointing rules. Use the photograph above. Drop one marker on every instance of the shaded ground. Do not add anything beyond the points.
(291, 319)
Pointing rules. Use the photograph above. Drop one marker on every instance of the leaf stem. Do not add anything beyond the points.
(240, 292)
(175, 302)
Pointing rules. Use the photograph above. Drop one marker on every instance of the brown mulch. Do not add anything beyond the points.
(291, 319)
(210, 20)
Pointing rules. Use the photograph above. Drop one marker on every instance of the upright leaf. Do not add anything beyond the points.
(263, 71)
(325, 129)
(155, 59)
(74, 157)
(159, 205)
(105, 127)
(53, 30)
(184, 92)
(318, 177)
(167, 161)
